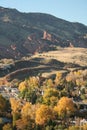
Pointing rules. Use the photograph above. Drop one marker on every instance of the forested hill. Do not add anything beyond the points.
(24, 33)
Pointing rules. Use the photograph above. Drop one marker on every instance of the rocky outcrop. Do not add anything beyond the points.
(21, 33)
(47, 36)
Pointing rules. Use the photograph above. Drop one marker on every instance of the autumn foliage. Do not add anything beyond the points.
(43, 105)
(65, 107)
(44, 114)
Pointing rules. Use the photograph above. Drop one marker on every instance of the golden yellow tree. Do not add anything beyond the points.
(22, 86)
(7, 127)
(49, 95)
(21, 124)
(33, 82)
(44, 114)
(65, 107)
(16, 107)
(28, 111)
(49, 83)
(59, 79)
(24, 124)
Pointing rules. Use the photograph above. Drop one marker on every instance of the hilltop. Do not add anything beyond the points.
(22, 34)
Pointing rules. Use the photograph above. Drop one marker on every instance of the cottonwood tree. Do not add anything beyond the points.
(58, 79)
(22, 86)
(7, 127)
(50, 96)
(16, 107)
(65, 108)
(44, 114)
(24, 124)
(28, 111)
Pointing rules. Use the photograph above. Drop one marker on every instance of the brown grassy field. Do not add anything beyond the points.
(49, 63)
(67, 55)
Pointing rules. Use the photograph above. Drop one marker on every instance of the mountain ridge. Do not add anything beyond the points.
(24, 33)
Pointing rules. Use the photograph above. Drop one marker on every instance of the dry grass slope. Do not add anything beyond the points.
(67, 55)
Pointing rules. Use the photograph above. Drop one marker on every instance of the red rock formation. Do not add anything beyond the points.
(47, 36)
(13, 47)
(71, 45)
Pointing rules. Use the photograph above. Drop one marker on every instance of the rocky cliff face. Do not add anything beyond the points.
(24, 33)
(47, 36)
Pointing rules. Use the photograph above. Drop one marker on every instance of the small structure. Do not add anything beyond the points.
(83, 121)
(8, 89)
(14, 90)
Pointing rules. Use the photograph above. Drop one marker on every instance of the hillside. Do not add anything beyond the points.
(27, 33)
(47, 64)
